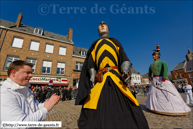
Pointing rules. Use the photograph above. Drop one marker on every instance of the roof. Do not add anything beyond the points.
(189, 51)
(133, 71)
(29, 29)
(189, 66)
(145, 75)
(77, 50)
(179, 66)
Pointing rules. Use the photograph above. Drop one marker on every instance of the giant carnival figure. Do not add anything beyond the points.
(103, 92)
(163, 97)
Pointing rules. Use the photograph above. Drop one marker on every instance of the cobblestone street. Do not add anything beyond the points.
(68, 114)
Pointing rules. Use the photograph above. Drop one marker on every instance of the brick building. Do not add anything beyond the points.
(78, 57)
(51, 53)
(145, 79)
(184, 71)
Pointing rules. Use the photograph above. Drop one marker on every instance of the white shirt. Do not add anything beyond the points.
(188, 89)
(18, 103)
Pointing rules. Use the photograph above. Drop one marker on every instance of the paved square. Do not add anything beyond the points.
(68, 113)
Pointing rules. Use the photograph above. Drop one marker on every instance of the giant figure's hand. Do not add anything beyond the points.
(126, 78)
(126, 71)
(161, 83)
(92, 73)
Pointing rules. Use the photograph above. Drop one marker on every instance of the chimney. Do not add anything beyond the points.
(70, 33)
(19, 19)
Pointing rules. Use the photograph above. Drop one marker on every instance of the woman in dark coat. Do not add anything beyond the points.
(134, 92)
(49, 93)
(42, 94)
(64, 93)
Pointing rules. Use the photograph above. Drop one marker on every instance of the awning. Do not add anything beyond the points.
(2, 76)
(77, 76)
(47, 84)
(49, 81)
(180, 80)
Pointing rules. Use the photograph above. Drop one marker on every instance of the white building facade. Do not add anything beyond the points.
(135, 77)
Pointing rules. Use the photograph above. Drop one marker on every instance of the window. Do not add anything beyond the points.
(60, 68)
(81, 64)
(62, 51)
(75, 82)
(38, 31)
(33, 61)
(190, 75)
(176, 76)
(83, 53)
(49, 48)
(46, 67)
(17, 42)
(181, 74)
(78, 65)
(9, 60)
(34, 46)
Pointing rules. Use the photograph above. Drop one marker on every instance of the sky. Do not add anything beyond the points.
(138, 25)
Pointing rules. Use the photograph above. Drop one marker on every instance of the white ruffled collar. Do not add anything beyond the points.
(21, 89)
(24, 90)
(15, 86)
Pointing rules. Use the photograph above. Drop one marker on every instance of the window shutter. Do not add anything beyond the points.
(17, 42)
(62, 51)
(49, 48)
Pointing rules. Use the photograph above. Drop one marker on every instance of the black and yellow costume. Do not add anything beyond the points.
(108, 104)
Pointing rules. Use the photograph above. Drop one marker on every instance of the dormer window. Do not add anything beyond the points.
(38, 31)
(83, 53)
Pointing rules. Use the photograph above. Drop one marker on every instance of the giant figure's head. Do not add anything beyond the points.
(103, 30)
(156, 54)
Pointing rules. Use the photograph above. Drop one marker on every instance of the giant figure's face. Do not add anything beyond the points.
(103, 28)
(156, 56)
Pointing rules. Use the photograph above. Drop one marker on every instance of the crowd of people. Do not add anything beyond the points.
(179, 87)
(139, 89)
(42, 93)
(144, 88)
